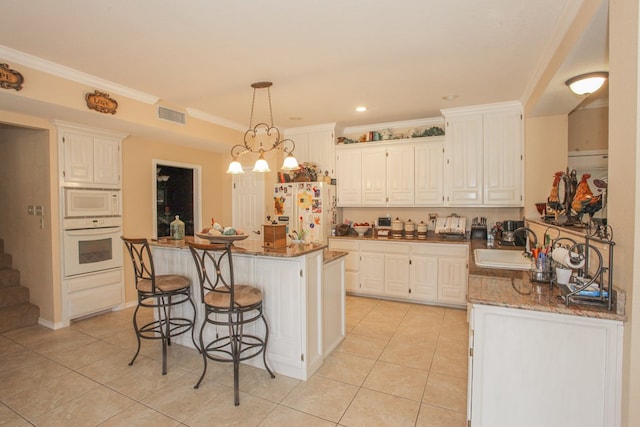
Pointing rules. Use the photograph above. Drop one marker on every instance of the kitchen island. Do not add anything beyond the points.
(291, 280)
(535, 361)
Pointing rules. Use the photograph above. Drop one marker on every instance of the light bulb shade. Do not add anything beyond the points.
(235, 167)
(261, 165)
(585, 84)
(290, 163)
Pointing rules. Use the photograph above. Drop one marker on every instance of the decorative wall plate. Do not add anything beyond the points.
(10, 79)
(101, 102)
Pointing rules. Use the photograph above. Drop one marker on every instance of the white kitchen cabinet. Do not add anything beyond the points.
(429, 172)
(349, 177)
(452, 279)
(374, 176)
(396, 270)
(438, 272)
(333, 305)
(315, 144)
(484, 155)
(351, 263)
(371, 269)
(530, 369)
(400, 168)
(89, 157)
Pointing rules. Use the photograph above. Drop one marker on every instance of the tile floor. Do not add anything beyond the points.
(399, 365)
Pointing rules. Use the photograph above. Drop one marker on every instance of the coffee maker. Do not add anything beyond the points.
(509, 238)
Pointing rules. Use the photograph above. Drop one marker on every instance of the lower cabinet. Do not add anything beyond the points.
(416, 271)
(531, 368)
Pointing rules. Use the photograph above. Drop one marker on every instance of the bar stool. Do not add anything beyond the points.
(228, 305)
(159, 292)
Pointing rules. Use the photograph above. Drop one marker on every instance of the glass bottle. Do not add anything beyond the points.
(177, 229)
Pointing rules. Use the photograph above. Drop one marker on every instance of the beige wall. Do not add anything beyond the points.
(589, 129)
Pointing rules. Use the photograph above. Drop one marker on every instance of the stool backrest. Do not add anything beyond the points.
(210, 261)
(140, 253)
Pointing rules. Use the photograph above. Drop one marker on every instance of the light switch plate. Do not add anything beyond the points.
(31, 210)
(38, 210)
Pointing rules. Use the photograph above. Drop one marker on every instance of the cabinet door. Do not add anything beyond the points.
(106, 160)
(452, 279)
(321, 150)
(396, 275)
(78, 157)
(349, 177)
(400, 175)
(301, 152)
(503, 161)
(351, 262)
(429, 174)
(464, 154)
(372, 274)
(284, 302)
(423, 280)
(374, 182)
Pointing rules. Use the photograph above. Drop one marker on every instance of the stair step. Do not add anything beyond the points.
(9, 277)
(13, 295)
(18, 316)
(5, 261)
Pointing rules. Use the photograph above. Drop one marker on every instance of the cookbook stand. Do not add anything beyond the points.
(588, 286)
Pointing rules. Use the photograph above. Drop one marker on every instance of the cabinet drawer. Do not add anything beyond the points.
(440, 249)
(386, 247)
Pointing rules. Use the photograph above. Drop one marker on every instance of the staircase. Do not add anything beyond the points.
(15, 309)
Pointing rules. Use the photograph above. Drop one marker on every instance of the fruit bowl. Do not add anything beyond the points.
(361, 229)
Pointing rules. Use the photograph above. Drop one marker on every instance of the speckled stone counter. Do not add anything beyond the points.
(514, 289)
(249, 247)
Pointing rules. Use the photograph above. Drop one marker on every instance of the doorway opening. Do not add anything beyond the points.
(177, 192)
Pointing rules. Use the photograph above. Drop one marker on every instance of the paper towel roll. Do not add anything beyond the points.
(566, 258)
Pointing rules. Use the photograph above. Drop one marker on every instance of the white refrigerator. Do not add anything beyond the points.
(308, 207)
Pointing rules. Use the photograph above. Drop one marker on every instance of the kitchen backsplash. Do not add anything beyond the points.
(416, 215)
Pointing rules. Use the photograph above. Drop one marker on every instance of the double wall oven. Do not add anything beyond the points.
(92, 250)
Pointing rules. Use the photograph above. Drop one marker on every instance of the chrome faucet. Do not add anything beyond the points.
(533, 241)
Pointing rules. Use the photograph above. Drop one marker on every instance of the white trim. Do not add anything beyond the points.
(313, 128)
(58, 70)
(197, 114)
(52, 325)
(483, 108)
(61, 125)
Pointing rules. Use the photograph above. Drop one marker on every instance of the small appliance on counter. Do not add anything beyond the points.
(509, 238)
(479, 228)
(383, 228)
(453, 226)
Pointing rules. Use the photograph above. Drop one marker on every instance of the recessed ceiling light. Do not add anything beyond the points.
(449, 97)
(361, 109)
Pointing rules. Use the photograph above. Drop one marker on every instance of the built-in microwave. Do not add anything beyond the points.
(91, 202)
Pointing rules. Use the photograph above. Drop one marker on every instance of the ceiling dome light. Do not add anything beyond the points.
(588, 83)
(361, 109)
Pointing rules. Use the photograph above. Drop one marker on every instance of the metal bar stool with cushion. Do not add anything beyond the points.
(228, 305)
(159, 292)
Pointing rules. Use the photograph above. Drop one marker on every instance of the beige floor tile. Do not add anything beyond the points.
(397, 380)
(10, 418)
(90, 409)
(372, 408)
(346, 367)
(34, 369)
(126, 339)
(220, 411)
(144, 379)
(259, 383)
(58, 341)
(47, 396)
(77, 358)
(7, 346)
(369, 347)
(179, 400)
(371, 328)
(321, 397)
(109, 368)
(30, 334)
(282, 416)
(102, 326)
(446, 392)
(432, 416)
(407, 353)
(140, 416)
(450, 360)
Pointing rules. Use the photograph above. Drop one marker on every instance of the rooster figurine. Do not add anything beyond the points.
(554, 199)
(584, 201)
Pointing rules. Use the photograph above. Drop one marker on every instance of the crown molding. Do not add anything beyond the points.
(198, 114)
(64, 72)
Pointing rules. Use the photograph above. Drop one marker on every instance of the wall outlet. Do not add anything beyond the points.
(38, 210)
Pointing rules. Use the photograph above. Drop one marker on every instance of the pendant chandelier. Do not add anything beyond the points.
(261, 139)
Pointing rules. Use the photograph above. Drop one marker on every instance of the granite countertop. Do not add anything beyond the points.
(431, 238)
(514, 289)
(249, 247)
(330, 256)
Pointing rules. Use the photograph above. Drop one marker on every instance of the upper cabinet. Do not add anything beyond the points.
(485, 155)
(89, 157)
(315, 144)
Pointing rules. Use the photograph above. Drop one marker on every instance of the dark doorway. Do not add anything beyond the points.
(174, 197)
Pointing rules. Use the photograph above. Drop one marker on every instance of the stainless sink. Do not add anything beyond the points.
(501, 259)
